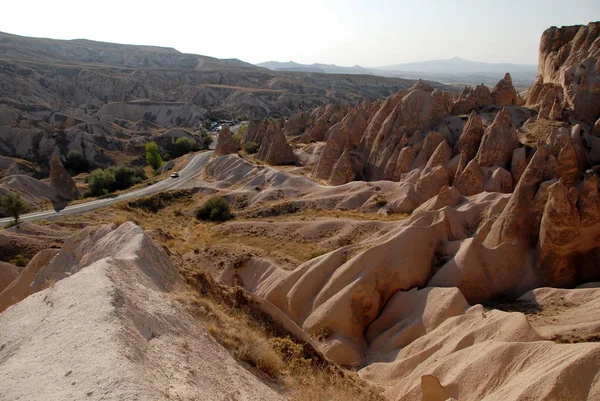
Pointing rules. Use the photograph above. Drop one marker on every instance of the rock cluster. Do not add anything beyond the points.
(568, 72)
(471, 99)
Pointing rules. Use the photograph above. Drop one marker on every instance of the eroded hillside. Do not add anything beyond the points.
(436, 246)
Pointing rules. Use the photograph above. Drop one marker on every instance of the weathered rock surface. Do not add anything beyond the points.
(8, 273)
(559, 229)
(471, 136)
(498, 142)
(255, 131)
(504, 94)
(275, 150)
(518, 164)
(225, 143)
(472, 99)
(114, 319)
(569, 61)
(344, 137)
(61, 181)
(296, 124)
(471, 180)
(343, 170)
(165, 114)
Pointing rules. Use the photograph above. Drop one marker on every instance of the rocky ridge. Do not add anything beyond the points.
(113, 285)
(521, 214)
(503, 202)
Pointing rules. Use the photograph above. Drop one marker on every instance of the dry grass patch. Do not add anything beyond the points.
(209, 234)
(313, 214)
(169, 218)
(233, 318)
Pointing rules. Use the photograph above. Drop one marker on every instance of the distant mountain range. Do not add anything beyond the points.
(454, 71)
(316, 67)
(457, 65)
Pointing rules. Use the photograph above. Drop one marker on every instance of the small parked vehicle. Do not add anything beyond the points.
(175, 175)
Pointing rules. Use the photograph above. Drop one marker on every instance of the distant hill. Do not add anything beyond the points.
(316, 67)
(457, 65)
(79, 77)
(460, 71)
(452, 71)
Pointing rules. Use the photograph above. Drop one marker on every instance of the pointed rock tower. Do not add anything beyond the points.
(225, 143)
(275, 150)
(61, 181)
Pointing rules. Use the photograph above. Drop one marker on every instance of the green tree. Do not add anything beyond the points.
(124, 177)
(184, 145)
(13, 205)
(153, 155)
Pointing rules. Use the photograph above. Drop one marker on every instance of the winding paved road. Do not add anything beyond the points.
(192, 171)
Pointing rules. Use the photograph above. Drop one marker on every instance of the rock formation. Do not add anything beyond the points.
(504, 205)
(560, 226)
(115, 317)
(342, 138)
(471, 136)
(343, 170)
(255, 131)
(275, 150)
(471, 180)
(61, 181)
(569, 65)
(225, 143)
(498, 142)
(296, 124)
(472, 99)
(504, 94)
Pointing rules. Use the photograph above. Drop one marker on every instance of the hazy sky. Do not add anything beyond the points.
(344, 32)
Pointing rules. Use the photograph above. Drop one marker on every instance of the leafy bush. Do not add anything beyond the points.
(184, 145)
(380, 201)
(19, 260)
(251, 147)
(126, 177)
(214, 209)
(153, 155)
(115, 178)
(76, 161)
(99, 181)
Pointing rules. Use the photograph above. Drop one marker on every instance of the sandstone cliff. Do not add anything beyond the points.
(569, 70)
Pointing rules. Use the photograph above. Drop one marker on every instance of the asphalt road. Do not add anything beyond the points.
(191, 172)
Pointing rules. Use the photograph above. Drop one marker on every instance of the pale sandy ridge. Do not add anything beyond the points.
(112, 332)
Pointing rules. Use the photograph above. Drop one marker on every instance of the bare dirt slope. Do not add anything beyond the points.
(112, 332)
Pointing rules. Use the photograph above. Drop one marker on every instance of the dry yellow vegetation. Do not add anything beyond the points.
(169, 218)
(295, 369)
